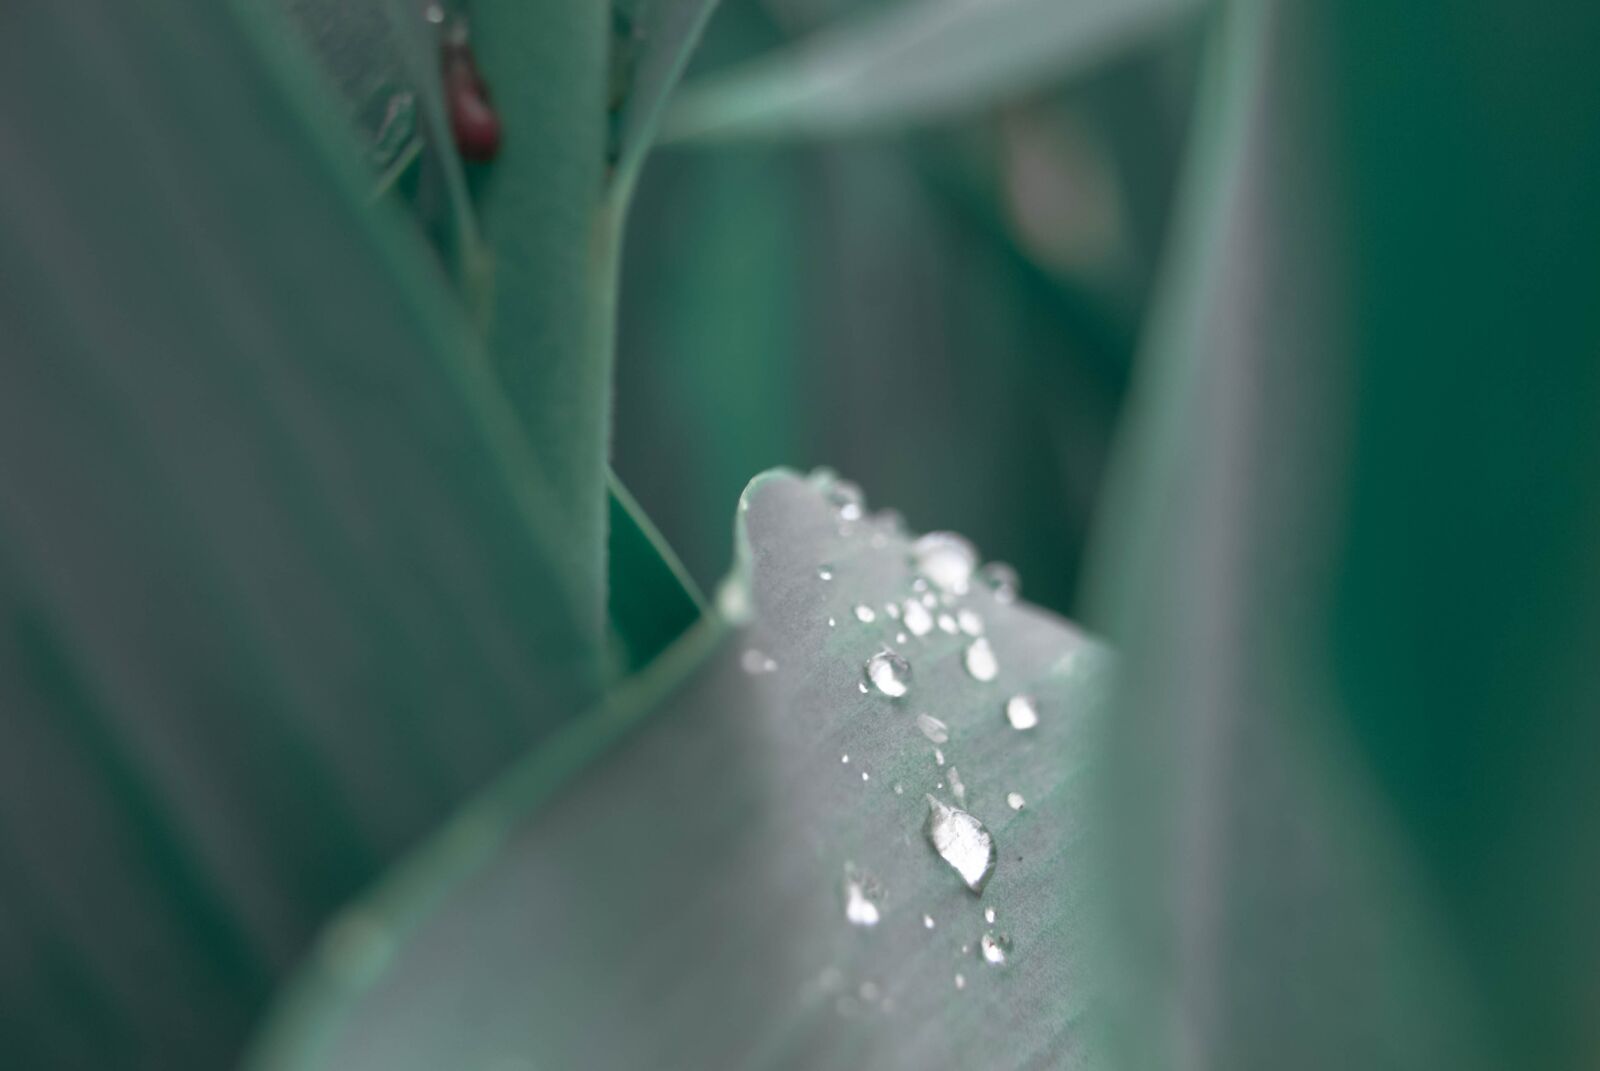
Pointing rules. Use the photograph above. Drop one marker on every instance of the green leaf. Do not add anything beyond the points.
(383, 57)
(1352, 571)
(554, 251)
(652, 599)
(279, 582)
(681, 903)
(916, 61)
(651, 47)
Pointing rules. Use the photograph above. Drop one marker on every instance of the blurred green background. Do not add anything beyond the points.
(945, 315)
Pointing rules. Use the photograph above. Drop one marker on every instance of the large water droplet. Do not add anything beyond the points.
(917, 618)
(958, 789)
(756, 662)
(889, 673)
(1002, 580)
(1022, 712)
(980, 660)
(933, 728)
(1015, 801)
(946, 559)
(865, 614)
(861, 898)
(994, 948)
(962, 841)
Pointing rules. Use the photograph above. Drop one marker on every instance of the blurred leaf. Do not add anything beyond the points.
(649, 53)
(681, 905)
(554, 249)
(279, 582)
(1353, 566)
(652, 600)
(383, 56)
(917, 61)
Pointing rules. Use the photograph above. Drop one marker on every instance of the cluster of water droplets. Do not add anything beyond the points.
(945, 572)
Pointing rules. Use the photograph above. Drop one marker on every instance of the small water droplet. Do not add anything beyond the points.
(757, 662)
(969, 622)
(938, 757)
(957, 788)
(899, 789)
(864, 614)
(988, 915)
(928, 599)
(1002, 580)
(1015, 801)
(946, 559)
(994, 948)
(847, 497)
(845, 759)
(889, 673)
(825, 573)
(962, 841)
(1022, 712)
(933, 728)
(980, 660)
(862, 687)
(900, 638)
(861, 897)
(865, 776)
(927, 922)
(434, 13)
(961, 981)
(869, 991)
(832, 622)
(892, 610)
(917, 618)
(948, 624)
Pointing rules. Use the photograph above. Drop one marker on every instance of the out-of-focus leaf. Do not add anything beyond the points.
(651, 47)
(383, 56)
(682, 904)
(278, 581)
(554, 251)
(915, 62)
(651, 598)
(1354, 568)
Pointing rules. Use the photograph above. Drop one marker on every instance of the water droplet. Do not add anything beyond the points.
(864, 614)
(927, 922)
(869, 991)
(980, 660)
(994, 948)
(961, 981)
(434, 13)
(946, 559)
(845, 759)
(1002, 580)
(889, 673)
(938, 757)
(933, 728)
(917, 618)
(948, 624)
(957, 788)
(988, 915)
(962, 841)
(832, 622)
(865, 776)
(825, 573)
(848, 498)
(900, 637)
(862, 687)
(1022, 712)
(899, 789)
(1015, 801)
(756, 662)
(892, 610)
(969, 622)
(861, 897)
